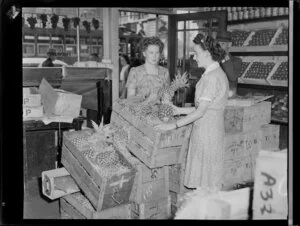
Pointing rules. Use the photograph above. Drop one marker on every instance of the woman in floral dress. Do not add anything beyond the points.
(145, 80)
(205, 155)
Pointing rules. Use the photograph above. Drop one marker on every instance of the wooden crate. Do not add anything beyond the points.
(153, 148)
(242, 144)
(150, 184)
(238, 170)
(159, 209)
(103, 192)
(242, 119)
(176, 175)
(76, 205)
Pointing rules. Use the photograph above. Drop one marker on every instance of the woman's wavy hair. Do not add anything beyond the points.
(145, 42)
(211, 45)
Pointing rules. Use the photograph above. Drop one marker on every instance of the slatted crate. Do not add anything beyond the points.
(158, 209)
(76, 206)
(103, 191)
(241, 119)
(153, 148)
(150, 184)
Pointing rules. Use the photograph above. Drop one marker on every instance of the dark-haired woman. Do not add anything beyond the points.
(145, 80)
(205, 155)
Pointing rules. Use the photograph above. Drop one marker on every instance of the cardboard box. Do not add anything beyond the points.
(32, 112)
(270, 137)
(59, 102)
(241, 119)
(31, 97)
(270, 198)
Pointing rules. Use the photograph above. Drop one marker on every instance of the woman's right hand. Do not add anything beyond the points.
(176, 110)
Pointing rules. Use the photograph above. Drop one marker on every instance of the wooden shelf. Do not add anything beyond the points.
(278, 121)
(259, 86)
(274, 48)
(258, 20)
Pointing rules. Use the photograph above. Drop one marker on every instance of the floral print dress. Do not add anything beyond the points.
(205, 155)
(146, 84)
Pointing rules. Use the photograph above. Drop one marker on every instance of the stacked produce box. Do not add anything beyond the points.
(156, 152)
(32, 104)
(247, 132)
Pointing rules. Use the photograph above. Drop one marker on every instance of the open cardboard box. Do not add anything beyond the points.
(59, 102)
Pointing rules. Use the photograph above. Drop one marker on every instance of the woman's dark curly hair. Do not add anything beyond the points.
(145, 42)
(210, 44)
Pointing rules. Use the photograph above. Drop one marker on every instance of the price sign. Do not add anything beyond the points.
(270, 186)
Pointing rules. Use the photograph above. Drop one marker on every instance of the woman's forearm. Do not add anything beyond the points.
(186, 111)
(194, 115)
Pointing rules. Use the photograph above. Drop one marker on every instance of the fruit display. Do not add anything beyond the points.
(281, 73)
(262, 37)
(244, 67)
(259, 70)
(282, 38)
(97, 147)
(239, 37)
(280, 107)
(154, 111)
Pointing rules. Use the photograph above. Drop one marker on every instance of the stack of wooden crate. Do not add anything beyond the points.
(104, 190)
(155, 152)
(247, 131)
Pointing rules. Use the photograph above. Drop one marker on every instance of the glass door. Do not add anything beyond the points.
(187, 27)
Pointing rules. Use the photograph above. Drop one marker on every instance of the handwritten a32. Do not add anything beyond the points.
(270, 182)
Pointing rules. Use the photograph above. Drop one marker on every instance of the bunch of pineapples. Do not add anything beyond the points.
(154, 111)
(166, 94)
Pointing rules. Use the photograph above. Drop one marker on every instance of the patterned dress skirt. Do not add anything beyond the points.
(204, 165)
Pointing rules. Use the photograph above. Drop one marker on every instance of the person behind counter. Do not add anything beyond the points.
(51, 54)
(145, 80)
(205, 154)
(231, 65)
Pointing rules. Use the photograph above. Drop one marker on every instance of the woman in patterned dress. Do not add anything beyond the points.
(145, 80)
(205, 155)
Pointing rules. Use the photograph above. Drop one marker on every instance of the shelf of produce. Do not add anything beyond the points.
(274, 48)
(258, 20)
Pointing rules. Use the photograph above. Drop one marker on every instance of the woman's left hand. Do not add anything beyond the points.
(165, 126)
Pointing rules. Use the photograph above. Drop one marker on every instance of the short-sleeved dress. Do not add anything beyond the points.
(205, 155)
(145, 83)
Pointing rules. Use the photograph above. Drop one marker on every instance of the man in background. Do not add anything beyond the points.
(231, 65)
(51, 54)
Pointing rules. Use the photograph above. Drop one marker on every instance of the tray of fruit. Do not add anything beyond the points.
(258, 71)
(280, 75)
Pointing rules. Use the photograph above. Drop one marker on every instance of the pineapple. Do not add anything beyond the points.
(166, 93)
(165, 112)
